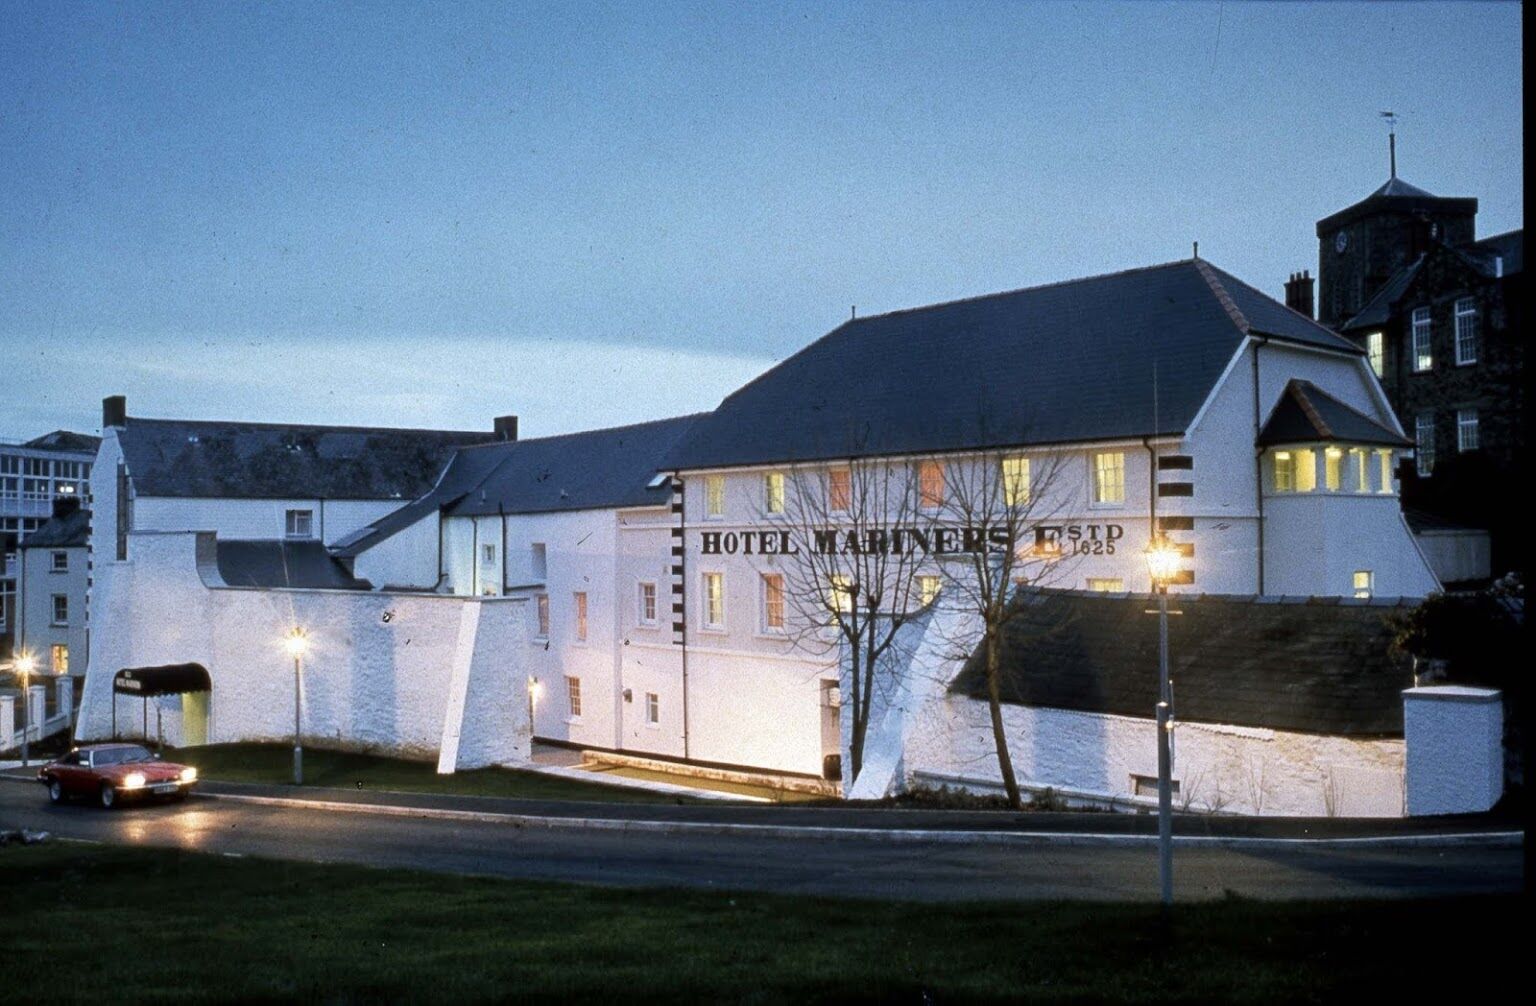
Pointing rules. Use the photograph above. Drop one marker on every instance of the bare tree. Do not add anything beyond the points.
(851, 580)
(1002, 510)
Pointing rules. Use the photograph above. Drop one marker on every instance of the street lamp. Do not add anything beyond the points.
(296, 643)
(25, 665)
(1163, 564)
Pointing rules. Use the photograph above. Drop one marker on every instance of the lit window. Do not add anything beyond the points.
(1109, 477)
(1466, 331)
(647, 611)
(580, 599)
(543, 604)
(714, 600)
(1424, 443)
(1306, 471)
(1333, 469)
(1285, 472)
(1376, 353)
(1423, 359)
(1015, 481)
(839, 489)
(1360, 464)
(714, 495)
(928, 589)
(1468, 438)
(60, 609)
(59, 562)
(652, 708)
(773, 602)
(1364, 583)
(1106, 584)
(573, 696)
(773, 492)
(1385, 458)
(930, 485)
(60, 658)
(299, 524)
(839, 593)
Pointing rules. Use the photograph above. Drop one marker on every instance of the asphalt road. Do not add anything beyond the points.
(843, 866)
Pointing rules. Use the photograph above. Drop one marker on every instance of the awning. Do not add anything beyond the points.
(171, 679)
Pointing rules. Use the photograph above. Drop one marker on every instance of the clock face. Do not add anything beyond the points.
(1341, 241)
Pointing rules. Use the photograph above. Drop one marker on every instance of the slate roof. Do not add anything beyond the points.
(1396, 196)
(1379, 308)
(283, 564)
(1510, 246)
(1065, 363)
(596, 469)
(71, 530)
(1311, 666)
(1306, 414)
(65, 440)
(183, 458)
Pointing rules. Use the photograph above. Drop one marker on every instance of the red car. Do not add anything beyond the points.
(110, 773)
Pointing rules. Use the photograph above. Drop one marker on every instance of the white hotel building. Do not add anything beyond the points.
(580, 589)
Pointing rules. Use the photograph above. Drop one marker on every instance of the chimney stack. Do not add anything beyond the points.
(114, 412)
(506, 428)
(1298, 293)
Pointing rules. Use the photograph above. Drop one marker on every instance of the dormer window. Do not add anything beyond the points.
(299, 524)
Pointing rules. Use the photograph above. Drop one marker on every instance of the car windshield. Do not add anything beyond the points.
(122, 756)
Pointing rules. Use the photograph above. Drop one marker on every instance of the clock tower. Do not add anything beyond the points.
(1362, 246)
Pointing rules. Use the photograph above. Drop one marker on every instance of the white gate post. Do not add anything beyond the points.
(1454, 737)
(64, 694)
(37, 709)
(7, 721)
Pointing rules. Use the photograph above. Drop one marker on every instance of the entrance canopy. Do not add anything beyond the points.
(171, 679)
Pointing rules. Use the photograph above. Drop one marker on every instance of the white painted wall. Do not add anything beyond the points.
(1457, 555)
(408, 558)
(255, 519)
(38, 582)
(368, 683)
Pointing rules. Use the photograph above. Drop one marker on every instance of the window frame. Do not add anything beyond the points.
(714, 497)
(291, 519)
(541, 617)
(59, 610)
(1016, 483)
(840, 497)
(1424, 444)
(652, 709)
(1468, 419)
(1420, 323)
(1097, 496)
(932, 485)
(579, 623)
(1467, 335)
(1104, 584)
(58, 561)
(774, 491)
(1368, 590)
(1288, 485)
(641, 602)
(768, 583)
(707, 578)
(1376, 353)
(924, 581)
(54, 653)
(572, 698)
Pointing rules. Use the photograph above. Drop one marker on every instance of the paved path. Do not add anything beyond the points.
(856, 867)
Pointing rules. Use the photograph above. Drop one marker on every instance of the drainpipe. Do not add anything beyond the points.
(474, 555)
(1151, 486)
(502, 512)
(1258, 456)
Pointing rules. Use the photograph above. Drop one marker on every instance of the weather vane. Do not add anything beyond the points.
(1391, 120)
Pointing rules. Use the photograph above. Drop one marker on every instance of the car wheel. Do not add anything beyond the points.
(55, 791)
(108, 796)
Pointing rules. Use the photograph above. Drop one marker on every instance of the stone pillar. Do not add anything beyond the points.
(64, 696)
(37, 709)
(1454, 737)
(7, 721)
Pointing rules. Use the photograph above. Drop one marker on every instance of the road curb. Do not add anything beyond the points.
(927, 836)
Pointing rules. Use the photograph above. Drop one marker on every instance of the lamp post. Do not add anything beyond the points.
(1163, 564)
(296, 642)
(25, 665)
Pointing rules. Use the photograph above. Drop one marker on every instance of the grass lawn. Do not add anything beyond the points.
(273, 764)
(113, 924)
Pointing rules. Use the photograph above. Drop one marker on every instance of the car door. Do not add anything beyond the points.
(66, 769)
(78, 780)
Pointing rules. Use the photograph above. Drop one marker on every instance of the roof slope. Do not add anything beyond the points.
(1064, 363)
(1510, 247)
(1306, 414)
(593, 470)
(304, 564)
(1396, 196)
(66, 440)
(1379, 308)
(172, 457)
(596, 469)
(69, 530)
(1305, 666)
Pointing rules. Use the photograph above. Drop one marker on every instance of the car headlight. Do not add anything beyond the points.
(133, 780)
(189, 774)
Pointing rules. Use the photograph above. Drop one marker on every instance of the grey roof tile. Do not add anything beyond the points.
(1305, 414)
(303, 564)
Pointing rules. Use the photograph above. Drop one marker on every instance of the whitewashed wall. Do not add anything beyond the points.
(368, 682)
(408, 558)
(1321, 539)
(256, 519)
(38, 582)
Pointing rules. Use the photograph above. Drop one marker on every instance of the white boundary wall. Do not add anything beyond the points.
(368, 682)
